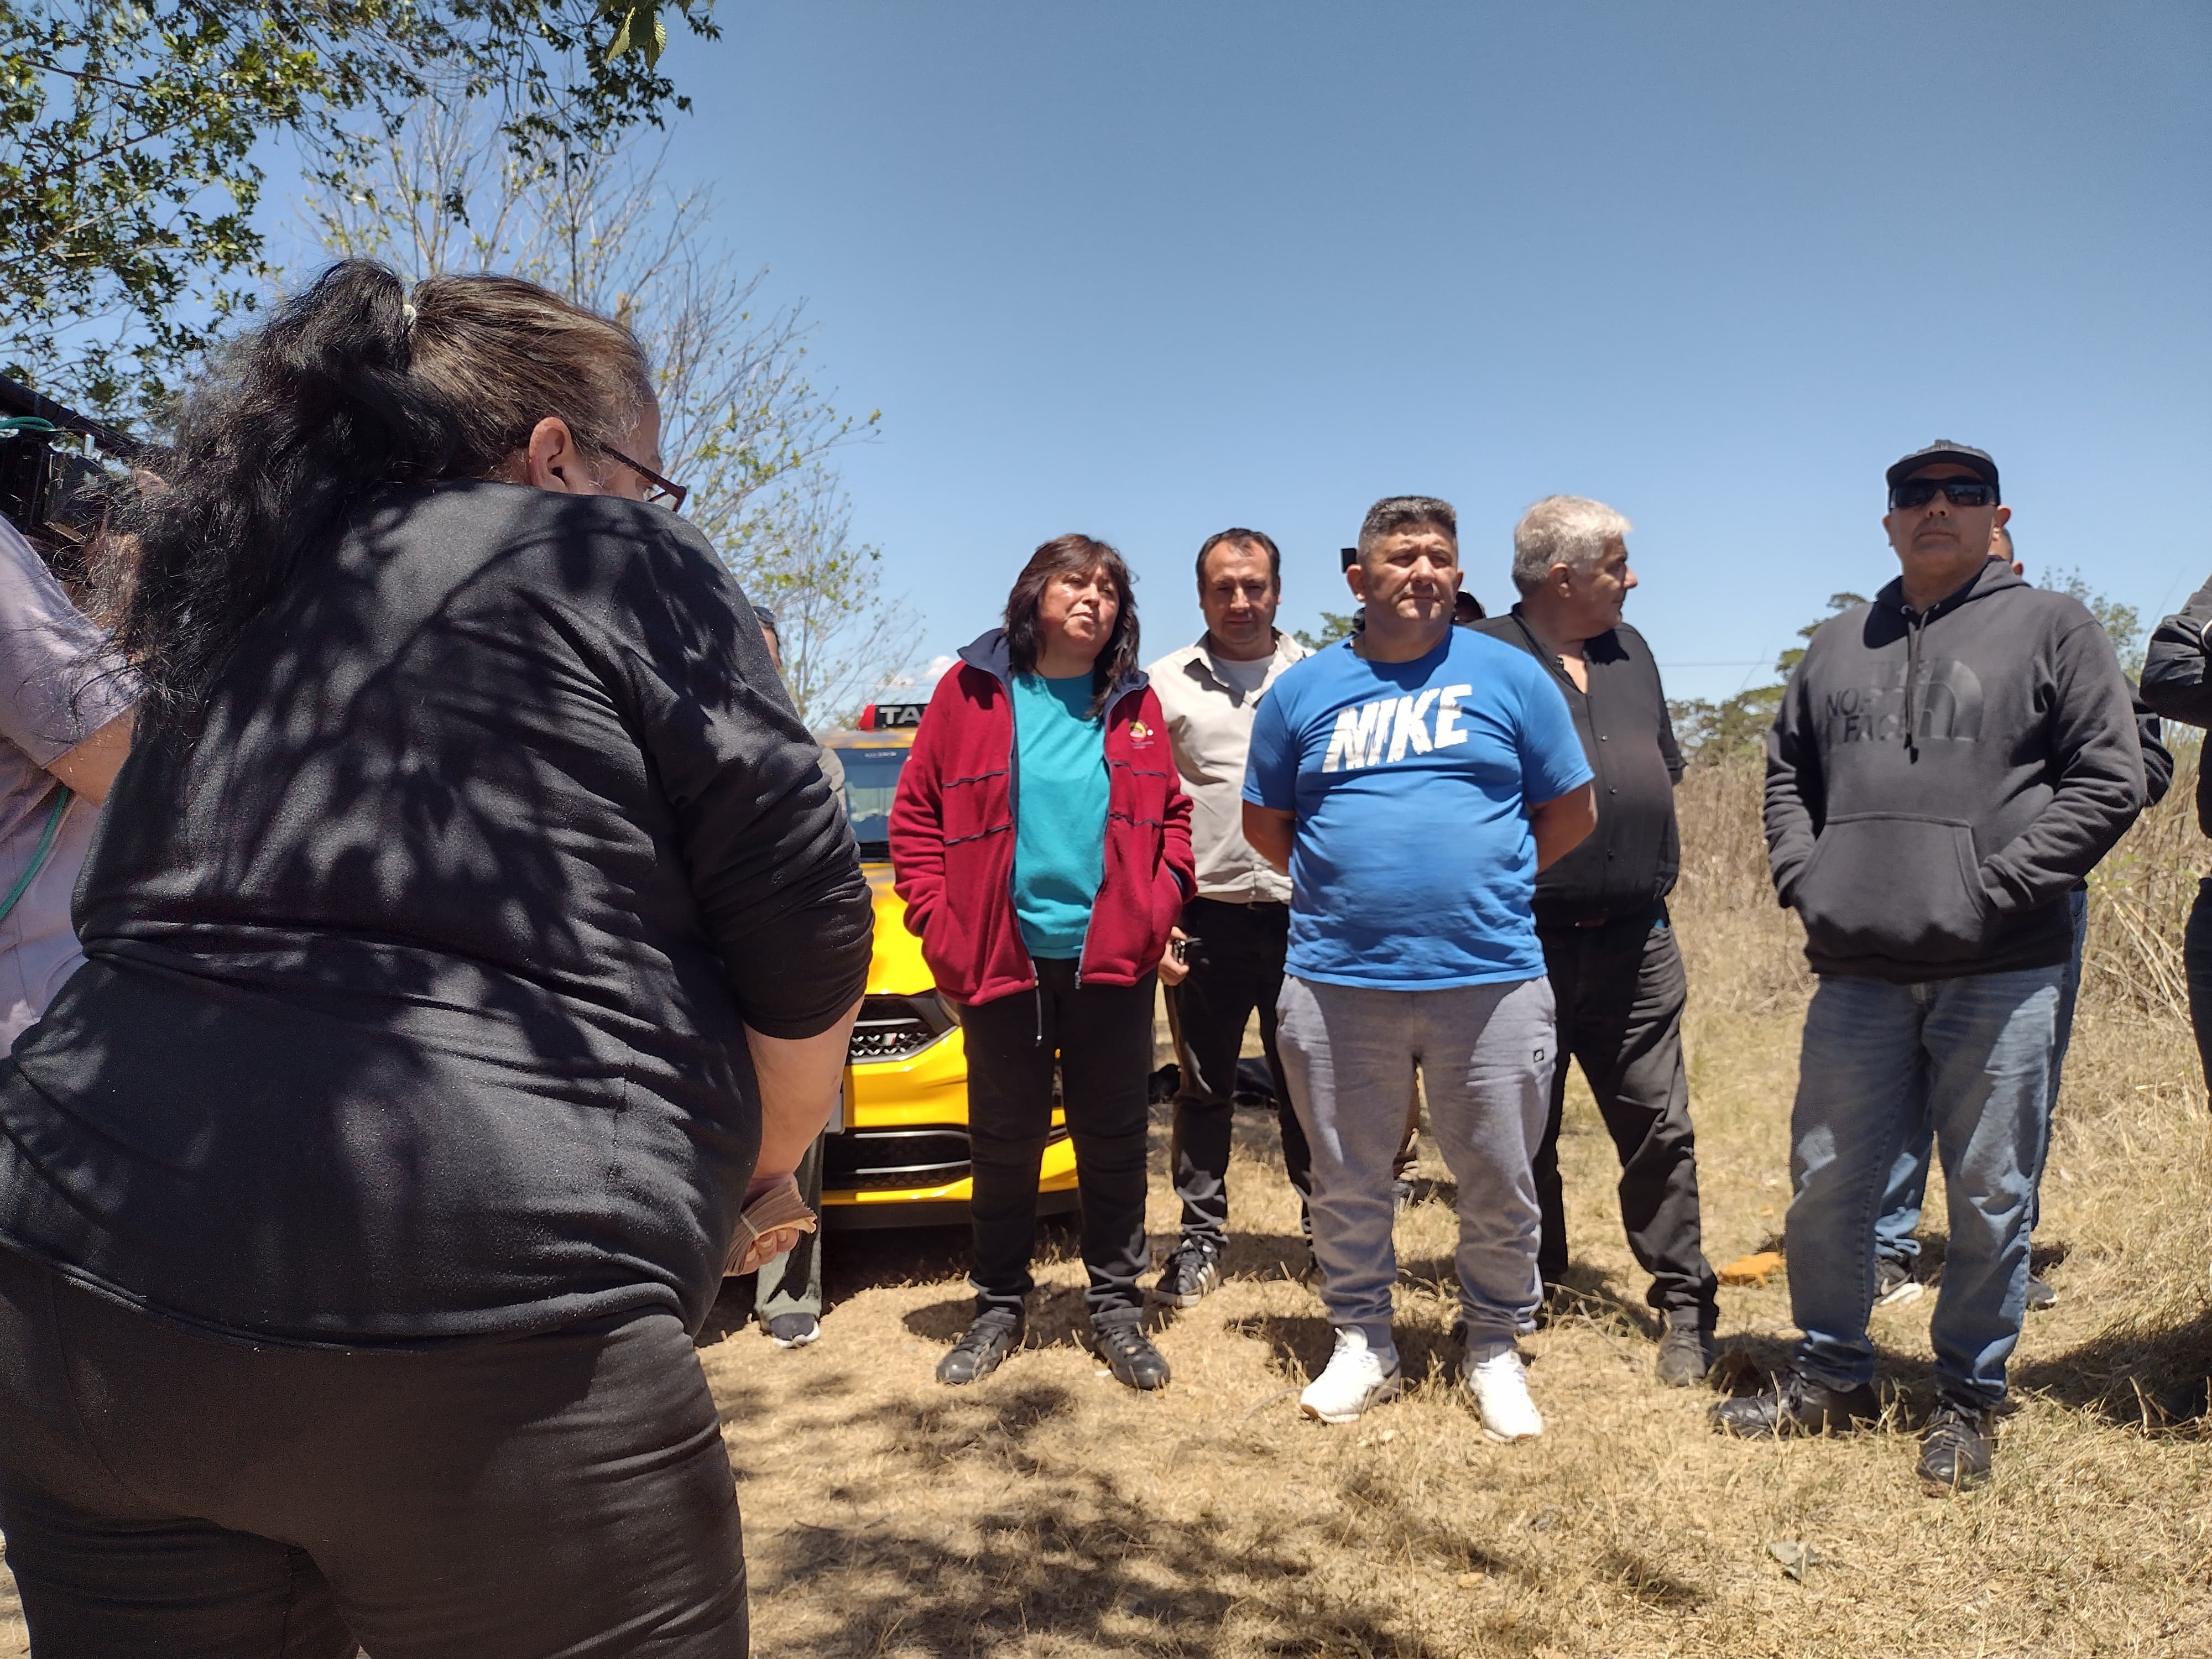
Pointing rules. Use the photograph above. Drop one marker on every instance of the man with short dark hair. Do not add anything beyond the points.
(1411, 780)
(1946, 762)
(1609, 946)
(1237, 925)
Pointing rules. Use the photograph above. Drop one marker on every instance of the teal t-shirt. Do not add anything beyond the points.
(1059, 839)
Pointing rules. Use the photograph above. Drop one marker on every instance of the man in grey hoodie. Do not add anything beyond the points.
(1947, 762)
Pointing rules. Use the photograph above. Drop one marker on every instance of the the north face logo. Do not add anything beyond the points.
(1949, 699)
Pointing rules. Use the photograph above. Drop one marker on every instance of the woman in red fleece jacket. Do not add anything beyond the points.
(1042, 841)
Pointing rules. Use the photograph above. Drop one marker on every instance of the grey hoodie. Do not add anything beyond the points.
(1936, 781)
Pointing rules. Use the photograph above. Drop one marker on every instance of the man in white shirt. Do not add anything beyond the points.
(1238, 925)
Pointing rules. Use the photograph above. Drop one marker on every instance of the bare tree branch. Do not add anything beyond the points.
(742, 426)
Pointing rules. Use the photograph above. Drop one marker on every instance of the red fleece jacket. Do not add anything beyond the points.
(953, 836)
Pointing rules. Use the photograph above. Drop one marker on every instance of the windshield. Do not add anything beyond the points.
(870, 780)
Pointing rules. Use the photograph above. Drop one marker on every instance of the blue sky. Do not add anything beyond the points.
(1146, 271)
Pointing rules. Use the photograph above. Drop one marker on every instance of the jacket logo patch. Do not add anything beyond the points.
(1141, 735)
(1947, 707)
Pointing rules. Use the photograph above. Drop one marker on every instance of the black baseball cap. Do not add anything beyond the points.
(1977, 461)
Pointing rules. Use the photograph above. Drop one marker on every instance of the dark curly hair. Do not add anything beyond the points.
(356, 387)
(1074, 555)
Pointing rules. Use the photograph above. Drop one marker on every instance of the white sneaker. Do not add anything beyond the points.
(1354, 1381)
(1500, 1387)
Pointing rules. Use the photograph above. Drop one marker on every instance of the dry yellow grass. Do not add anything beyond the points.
(1049, 1511)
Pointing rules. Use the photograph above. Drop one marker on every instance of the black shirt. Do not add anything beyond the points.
(1629, 863)
(417, 982)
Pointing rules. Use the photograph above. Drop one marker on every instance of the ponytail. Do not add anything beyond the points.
(353, 388)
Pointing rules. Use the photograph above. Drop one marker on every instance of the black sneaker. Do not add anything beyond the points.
(794, 1330)
(978, 1353)
(1796, 1404)
(1955, 1446)
(1193, 1268)
(1893, 1283)
(2041, 1295)
(1687, 1354)
(1129, 1354)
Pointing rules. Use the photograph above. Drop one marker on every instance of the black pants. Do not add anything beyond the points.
(1236, 966)
(1102, 1036)
(2196, 964)
(1621, 990)
(166, 1494)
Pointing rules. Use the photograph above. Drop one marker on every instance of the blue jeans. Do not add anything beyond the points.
(1908, 1183)
(1973, 1056)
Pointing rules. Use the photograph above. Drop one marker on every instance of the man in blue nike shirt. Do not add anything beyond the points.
(1413, 780)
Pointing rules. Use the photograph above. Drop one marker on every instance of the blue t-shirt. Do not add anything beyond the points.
(1060, 833)
(1415, 865)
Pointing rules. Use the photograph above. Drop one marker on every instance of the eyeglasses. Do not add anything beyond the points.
(659, 491)
(1959, 492)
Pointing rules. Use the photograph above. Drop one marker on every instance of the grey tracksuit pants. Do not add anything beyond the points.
(1484, 1054)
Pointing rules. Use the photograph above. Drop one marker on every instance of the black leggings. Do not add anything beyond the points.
(1102, 1037)
(170, 1495)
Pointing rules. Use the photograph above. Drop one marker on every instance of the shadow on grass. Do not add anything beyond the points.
(1300, 1344)
(1052, 1544)
(2136, 1372)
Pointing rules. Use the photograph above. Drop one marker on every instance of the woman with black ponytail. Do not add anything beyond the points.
(469, 937)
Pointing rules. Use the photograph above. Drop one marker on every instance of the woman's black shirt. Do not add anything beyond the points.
(416, 979)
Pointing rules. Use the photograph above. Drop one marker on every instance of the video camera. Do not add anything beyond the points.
(53, 484)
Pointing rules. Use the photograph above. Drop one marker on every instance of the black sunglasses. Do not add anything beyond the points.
(661, 492)
(1959, 492)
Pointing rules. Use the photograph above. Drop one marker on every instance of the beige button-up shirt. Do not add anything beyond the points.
(1210, 725)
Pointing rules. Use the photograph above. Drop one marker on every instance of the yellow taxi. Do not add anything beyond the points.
(901, 1158)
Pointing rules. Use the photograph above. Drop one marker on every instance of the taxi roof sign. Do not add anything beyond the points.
(892, 716)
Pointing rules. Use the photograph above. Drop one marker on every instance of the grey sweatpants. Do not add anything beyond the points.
(1485, 1052)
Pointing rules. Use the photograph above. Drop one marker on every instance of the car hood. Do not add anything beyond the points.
(897, 969)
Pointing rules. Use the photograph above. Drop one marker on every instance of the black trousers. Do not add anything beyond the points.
(166, 1494)
(1620, 990)
(2196, 964)
(1102, 1037)
(1236, 966)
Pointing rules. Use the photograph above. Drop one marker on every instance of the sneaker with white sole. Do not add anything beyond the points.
(1354, 1380)
(1500, 1387)
(1894, 1284)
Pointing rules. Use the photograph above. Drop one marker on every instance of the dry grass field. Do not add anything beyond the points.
(1049, 1511)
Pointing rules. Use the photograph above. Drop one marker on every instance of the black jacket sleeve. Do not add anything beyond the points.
(772, 861)
(2174, 682)
(2157, 758)
(1794, 794)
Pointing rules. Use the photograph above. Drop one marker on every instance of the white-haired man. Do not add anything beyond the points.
(1609, 946)
(1411, 780)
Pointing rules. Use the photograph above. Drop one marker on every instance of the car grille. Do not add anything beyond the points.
(876, 1159)
(892, 1028)
(871, 1160)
